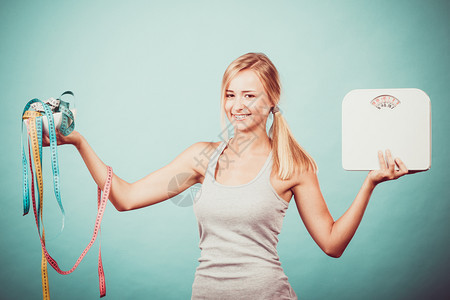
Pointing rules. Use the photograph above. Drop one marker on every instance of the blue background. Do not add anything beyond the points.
(147, 76)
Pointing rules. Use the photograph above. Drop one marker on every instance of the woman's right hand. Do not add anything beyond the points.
(73, 138)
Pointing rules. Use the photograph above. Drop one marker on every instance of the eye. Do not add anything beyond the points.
(229, 95)
(250, 96)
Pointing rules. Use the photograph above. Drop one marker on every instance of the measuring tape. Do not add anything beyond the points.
(34, 120)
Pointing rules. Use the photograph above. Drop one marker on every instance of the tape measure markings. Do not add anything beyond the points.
(34, 121)
(44, 271)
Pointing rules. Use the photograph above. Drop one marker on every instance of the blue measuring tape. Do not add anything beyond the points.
(67, 126)
(40, 120)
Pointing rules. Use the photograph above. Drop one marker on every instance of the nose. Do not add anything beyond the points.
(239, 103)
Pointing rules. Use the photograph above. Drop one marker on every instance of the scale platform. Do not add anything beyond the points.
(380, 119)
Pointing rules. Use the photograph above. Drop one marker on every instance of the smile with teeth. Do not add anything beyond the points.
(241, 117)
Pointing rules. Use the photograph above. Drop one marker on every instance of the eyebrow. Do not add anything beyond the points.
(242, 91)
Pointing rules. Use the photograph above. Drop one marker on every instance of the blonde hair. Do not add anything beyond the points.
(287, 152)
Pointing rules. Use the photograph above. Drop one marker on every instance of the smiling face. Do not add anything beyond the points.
(246, 103)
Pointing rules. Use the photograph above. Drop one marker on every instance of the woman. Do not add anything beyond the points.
(247, 183)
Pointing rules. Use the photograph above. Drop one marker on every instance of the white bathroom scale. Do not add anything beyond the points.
(380, 119)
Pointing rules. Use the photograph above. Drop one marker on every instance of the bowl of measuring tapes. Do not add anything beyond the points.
(57, 119)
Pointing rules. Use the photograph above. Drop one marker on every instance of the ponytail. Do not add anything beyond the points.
(287, 152)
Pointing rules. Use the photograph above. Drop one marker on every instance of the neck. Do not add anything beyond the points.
(250, 143)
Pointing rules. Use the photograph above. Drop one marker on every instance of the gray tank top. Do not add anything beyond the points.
(238, 227)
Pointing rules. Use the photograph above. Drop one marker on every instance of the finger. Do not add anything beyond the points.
(415, 171)
(401, 165)
(381, 160)
(390, 161)
(45, 140)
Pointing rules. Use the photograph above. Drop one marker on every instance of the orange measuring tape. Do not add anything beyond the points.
(34, 130)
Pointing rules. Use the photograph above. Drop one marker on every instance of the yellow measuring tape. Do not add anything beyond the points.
(33, 120)
(31, 116)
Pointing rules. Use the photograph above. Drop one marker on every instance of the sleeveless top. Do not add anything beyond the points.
(238, 227)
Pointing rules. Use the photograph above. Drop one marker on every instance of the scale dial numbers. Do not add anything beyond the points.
(385, 101)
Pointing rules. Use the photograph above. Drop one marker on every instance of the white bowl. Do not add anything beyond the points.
(57, 118)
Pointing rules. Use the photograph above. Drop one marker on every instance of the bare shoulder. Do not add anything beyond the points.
(286, 188)
(198, 156)
(302, 179)
(306, 187)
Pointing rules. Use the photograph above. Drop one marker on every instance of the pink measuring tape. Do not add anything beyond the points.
(101, 204)
(36, 115)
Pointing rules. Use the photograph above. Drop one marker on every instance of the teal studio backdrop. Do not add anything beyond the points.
(147, 75)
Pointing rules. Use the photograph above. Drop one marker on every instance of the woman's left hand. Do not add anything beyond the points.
(387, 169)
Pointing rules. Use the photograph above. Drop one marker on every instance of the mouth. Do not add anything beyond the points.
(240, 117)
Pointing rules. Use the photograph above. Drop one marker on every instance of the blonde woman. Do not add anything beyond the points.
(247, 182)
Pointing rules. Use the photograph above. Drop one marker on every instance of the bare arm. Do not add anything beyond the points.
(334, 236)
(147, 191)
(119, 187)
